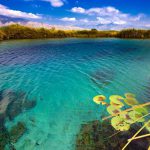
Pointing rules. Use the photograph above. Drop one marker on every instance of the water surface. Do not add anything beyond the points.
(63, 76)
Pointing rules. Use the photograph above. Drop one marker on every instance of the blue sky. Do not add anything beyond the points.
(100, 14)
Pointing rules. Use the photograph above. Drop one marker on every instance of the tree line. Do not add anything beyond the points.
(17, 31)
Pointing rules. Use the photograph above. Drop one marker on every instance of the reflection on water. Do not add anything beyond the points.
(63, 76)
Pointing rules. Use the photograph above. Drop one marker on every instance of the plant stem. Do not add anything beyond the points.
(135, 135)
(139, 137)
(113, 134)
(137, 106)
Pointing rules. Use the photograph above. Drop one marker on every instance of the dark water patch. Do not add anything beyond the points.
(103, 77)
(96, 135)
(1, 92)
(41, 52)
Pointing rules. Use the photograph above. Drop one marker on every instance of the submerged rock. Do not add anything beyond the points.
(6, 98)
(12, 103)
(8, 138)
(17, 131)
(4, 104)
(17, 107)
(2, 121)
(1, 93)
(101, 136)
(4, 138)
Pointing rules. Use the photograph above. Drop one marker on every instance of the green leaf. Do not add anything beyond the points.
(141, 110)
(134, 115)
(129, 95)
(116, 100)
(127, 118)
(148, 126)
(113, 110)
(99, 98)
(119, 124)
(131, 101)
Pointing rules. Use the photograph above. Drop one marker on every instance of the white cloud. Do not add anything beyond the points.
(110, 18)
(102, 11)
(119, 21)
(103, 20)
(68, 19)
(16, 13)
(84, 20)
(78, 10)
(96, 11)
(55, 3)
(147, 25)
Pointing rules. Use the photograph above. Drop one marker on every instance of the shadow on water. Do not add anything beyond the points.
(102, 77)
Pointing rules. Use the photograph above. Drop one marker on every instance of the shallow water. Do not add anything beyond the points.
(63, 76)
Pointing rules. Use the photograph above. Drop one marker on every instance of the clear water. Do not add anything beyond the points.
(60, 74)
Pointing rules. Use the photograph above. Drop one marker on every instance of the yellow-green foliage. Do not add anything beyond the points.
(17, 31)
(122, 119)
(132, 33)
(2, 35)
(21, 32)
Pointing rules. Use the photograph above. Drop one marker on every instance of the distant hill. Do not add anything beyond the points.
(5, 19)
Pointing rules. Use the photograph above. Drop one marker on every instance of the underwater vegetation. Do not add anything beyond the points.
(100, 135)
(128, 128)
(121, 118)
(12, 103)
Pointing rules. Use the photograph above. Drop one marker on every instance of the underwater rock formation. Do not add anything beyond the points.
(102, 77)
(4, 138)
(98, 135)
(16, 107)
(5, 100)
(8, 138)
(12, 103)
(17, 131)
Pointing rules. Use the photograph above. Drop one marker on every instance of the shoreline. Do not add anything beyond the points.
(17, 31)
(6, 40)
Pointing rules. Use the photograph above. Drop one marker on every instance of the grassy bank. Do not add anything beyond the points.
(16, 31)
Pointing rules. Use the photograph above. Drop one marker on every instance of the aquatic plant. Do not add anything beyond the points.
(99, 99)
(134, 136)
(100, 135)
(121, 118)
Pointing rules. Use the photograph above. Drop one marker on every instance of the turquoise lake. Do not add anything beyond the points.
(63, 75)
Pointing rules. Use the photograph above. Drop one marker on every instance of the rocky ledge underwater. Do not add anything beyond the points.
(12, 104)
(100, 135)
